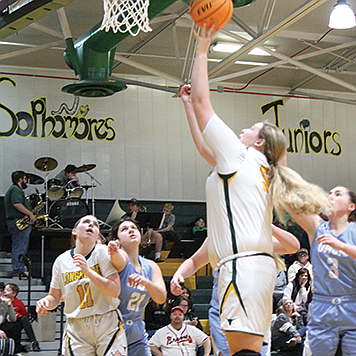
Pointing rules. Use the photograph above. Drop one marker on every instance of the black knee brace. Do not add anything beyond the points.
(246, 353)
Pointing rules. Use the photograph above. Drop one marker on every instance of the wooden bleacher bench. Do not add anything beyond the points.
(206, 326)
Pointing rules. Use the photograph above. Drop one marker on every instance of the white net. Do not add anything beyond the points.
(126, 15)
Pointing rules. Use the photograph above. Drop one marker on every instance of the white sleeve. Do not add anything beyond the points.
(56, 281)
(198, 335)
(292, 271)
(156, 339)
(228, 151)
(106, 267)
(287, 294)
(302, 295)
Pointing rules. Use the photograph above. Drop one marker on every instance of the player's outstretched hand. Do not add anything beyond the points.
(113, 247)
(176, 284)
(185, 91)
(205, 38)
(42, 306)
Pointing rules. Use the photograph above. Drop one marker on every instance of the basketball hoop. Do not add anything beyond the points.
(125, 15)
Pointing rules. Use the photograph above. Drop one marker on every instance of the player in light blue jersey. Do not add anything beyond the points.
(140, 280)
(332, 315)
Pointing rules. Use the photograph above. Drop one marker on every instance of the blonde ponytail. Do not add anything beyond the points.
(290, 192)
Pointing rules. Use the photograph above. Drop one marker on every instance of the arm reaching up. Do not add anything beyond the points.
(204, 150)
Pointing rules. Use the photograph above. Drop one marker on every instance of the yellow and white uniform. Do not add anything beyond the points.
(94, 326)
(239, 216)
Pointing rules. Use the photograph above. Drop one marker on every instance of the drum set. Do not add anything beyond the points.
(63, 203)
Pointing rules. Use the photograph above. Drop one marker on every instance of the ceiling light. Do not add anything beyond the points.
(240, 62)
(251, 63)
(342, 16)
(233, 47)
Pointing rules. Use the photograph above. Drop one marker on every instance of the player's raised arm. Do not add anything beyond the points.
(200, 83)
(199, 141)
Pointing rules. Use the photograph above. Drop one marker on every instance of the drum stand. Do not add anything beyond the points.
(92, 185)
(53, 222)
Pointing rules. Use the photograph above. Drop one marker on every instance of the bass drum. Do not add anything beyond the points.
(66, 212)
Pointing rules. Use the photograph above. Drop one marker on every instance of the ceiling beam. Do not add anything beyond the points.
(295, 16)
(22, 52)
(266, 16)
(148, 69)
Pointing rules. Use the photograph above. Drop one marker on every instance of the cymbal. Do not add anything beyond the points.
(84, 168)
(46, 164)
(34, 179)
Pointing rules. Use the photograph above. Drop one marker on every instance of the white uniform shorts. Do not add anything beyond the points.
(95, 335)
(245, 294)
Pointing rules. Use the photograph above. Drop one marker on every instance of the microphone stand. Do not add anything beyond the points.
(92, 179)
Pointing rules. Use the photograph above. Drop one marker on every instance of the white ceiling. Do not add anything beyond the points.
(288, 26)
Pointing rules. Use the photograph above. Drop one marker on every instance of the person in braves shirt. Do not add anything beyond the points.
(179, 338)
(332, 313)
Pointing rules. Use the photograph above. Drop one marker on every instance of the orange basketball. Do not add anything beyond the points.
(217, 12)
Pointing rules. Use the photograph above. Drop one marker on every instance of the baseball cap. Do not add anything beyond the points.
(134, 201)
(303, 250)
(177, 308)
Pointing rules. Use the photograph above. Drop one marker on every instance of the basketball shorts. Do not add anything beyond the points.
(245, 290)
(330, 320)
(95, 335)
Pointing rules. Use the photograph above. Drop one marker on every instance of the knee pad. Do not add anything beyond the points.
(246, 353)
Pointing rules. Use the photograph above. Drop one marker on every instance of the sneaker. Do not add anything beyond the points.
(292, 342)
(35, 346)
(23, 276)
(21, 348)
(158, 260)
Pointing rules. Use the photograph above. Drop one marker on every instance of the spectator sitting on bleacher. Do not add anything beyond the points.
(200, 232)
(156, 316)
(8, 328)
(288, 330)
(171, 339)
(133, 207)
(280, 286)
(190, 317)
(302, 262)
(166, 232)
(299, 289)
(11, 291)
(199, 225)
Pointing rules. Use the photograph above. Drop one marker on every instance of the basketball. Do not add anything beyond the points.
(211, 12)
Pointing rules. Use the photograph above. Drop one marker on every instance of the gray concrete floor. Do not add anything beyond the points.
(47, 349)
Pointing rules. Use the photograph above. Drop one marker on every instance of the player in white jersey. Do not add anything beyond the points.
(332, 314)
(140, 280)
(241, 192)
(283, 242)
(89, 285)
(179, 338)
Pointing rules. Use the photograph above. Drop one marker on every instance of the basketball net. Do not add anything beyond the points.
(126, 15)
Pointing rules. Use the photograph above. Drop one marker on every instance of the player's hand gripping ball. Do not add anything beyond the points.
(211, 12)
